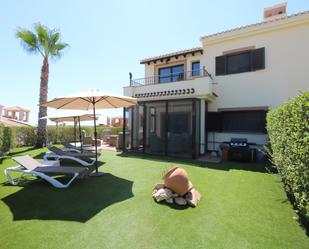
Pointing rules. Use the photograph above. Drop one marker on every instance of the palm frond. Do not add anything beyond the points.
(43, 37)
(43, 40)
(61, 46)
(54, 37)
(58, 48)
(28, 40)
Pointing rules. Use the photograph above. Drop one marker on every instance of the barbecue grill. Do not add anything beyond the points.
(239, 150)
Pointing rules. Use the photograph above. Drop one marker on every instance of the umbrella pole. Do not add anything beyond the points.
(75, 131)
(95, 137)
(56, 132)
(80, 135)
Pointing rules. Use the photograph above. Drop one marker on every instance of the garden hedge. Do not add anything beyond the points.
(66, 133)
(11, 137)
(8, 139)
(288, 130)
(1, 138)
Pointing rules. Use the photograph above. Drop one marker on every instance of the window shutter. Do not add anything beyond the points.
(258, 60)
(220, 65)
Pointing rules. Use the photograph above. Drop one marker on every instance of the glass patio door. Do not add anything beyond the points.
(155, 131)
(138, 127)
(180, 128)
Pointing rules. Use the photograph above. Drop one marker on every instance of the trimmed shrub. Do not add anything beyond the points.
(1, 138)
(66, 133)
(25, 136)
(8, 139)
(288, 130)
(62, 134)
(11, 137)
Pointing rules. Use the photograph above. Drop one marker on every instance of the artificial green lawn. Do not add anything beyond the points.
(243, 206)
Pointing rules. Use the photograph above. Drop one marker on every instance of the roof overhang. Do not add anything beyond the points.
(15, 109)
(168, 56)
(257, 28)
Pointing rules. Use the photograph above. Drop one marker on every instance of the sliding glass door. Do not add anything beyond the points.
(155, 134)
(137, 127)
(179, 128)
(168, 127)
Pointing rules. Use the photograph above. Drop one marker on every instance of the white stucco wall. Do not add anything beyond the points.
(285, 74)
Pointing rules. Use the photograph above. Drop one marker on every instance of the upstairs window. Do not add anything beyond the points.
(238, 63)
(195, 68)
(242, 62)
(171, 74)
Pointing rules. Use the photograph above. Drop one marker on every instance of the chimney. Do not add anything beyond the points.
(275, 12)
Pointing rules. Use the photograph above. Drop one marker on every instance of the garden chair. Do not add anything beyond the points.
(79, 157)
(28, 165)
(73, 148)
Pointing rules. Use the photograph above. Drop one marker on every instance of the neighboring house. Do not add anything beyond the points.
(193, 100)
(114, 121)
(14, 116)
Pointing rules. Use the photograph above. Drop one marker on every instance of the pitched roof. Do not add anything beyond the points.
(256, 24)
(168, 55)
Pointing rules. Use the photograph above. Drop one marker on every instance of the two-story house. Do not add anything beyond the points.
(193, 100)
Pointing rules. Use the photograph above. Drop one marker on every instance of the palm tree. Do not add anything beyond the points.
(45, 42)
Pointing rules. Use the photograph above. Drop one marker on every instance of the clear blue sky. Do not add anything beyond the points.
(107, 39)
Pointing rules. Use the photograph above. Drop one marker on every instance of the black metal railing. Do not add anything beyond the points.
(167, 78)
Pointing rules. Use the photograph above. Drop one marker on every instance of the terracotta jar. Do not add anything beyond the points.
(177, 180)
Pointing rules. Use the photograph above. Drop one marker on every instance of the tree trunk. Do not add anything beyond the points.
(42, 123)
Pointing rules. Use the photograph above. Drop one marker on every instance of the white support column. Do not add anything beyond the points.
(27, 117)
(202, 127)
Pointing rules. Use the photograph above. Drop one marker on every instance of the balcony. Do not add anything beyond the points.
(188, 84)
(167, 78)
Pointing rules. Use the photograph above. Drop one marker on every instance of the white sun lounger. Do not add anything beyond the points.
(71, 148)
(28, 165)
(58, 154)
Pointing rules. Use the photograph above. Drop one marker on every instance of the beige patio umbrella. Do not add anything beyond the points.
(92, 99)
(74, 117)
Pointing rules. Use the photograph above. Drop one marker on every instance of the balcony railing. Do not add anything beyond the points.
(167, 78)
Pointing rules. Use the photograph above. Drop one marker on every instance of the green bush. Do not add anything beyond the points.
(8, 139)
(62, 134)
(288, 130)
(1, 138)
(11, 137)
(66, 133)
(25, 136)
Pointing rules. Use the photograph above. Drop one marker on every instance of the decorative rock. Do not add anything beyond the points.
(193, 197)
(180, 201)
(170, 200)
(162, 194)
(159, 186)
